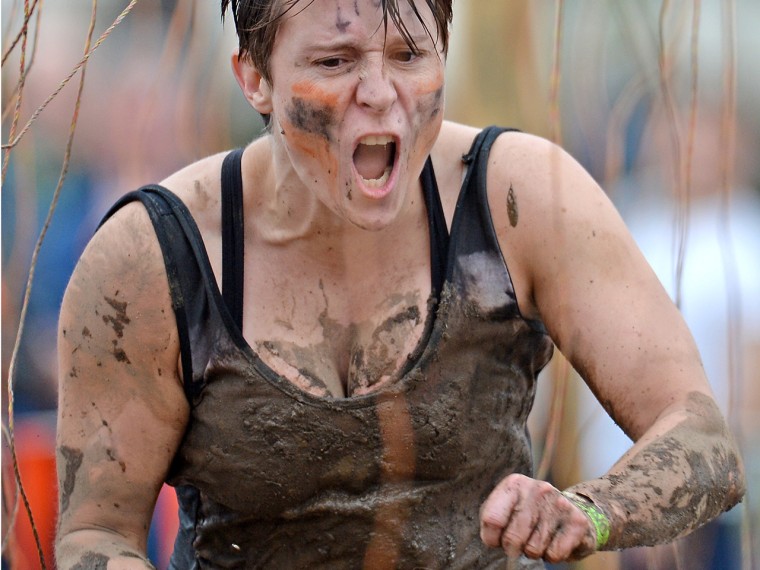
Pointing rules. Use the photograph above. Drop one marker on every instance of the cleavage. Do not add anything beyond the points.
(338, 358)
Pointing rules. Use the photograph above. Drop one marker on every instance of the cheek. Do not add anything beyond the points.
(429, 115)
(310, 118)
(313, 110)
(307, 131)
(310, 123)
(429, 97)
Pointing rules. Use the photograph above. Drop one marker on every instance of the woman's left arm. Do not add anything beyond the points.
(577, 268)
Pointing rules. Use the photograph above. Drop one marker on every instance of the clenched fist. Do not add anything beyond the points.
(530, 517)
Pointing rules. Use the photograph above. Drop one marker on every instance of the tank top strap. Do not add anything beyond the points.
(472, 222)
(233, 235)
(190, 279)
(439, 233)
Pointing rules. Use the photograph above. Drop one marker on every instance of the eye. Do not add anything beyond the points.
(406, 55)
(331, 62)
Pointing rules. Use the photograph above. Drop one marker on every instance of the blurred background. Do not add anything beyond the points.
(658, 99)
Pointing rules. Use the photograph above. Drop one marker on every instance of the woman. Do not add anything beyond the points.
(328, 341)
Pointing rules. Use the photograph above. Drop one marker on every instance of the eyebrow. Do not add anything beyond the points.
(353, 45)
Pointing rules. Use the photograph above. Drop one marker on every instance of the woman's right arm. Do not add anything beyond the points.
(122, 411)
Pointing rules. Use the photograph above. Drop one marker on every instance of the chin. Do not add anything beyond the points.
(371, 217)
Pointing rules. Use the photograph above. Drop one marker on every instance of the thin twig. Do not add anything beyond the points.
(9, 18)
(30, 280)
(734, 300)
(35, 44)
(554, 94)
(28, 11)
(684, 201)
(19, 97)
(16, 502)
(675, 139)
(560, 380)
(561, 376)
(14, 141)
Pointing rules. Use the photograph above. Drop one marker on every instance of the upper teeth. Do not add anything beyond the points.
(376, 140)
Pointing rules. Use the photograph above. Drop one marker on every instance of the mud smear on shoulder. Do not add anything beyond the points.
(512, 210)
(73, 461)
(118, 320)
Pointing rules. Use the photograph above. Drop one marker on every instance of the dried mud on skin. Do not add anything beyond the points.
(311, 119)
(676, 484)
(73, 461)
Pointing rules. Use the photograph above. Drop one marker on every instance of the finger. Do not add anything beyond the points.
(575, 537)
(520, 526)
(540, 540)
(534, 518)
(496, 513)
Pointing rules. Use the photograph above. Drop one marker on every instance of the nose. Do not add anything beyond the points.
(376, 90)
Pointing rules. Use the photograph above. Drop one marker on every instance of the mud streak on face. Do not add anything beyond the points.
(311, 119)
(341, 24)
(430, 98)
(438, 97)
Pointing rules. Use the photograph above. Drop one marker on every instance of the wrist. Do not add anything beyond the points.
(599, 520)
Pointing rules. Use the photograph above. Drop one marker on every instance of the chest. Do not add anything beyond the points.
(332, 329)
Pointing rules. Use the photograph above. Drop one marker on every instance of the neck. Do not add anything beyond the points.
(289, 213)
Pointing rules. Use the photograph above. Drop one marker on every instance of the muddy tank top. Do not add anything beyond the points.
(269, 476)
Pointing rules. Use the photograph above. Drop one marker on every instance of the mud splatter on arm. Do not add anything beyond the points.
(576, 267)
(671, 484)
(512, 211)
(121, 409)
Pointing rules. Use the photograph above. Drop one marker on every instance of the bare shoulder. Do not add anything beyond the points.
(198, 184)
(117, 329)
(576, 266)
(544, 205)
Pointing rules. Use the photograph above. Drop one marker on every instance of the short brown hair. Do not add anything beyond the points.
(257, 22)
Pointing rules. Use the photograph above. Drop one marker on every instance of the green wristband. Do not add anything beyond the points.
(596, 516)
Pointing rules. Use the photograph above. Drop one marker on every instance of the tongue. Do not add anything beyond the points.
(371, 160)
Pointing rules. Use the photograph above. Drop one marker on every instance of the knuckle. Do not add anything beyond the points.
(545, 490)
(494, 518)
(515, 480)
(553, 556)
(512, 541)
(533, 550)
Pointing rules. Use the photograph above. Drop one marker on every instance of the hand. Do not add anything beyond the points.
(530, 517)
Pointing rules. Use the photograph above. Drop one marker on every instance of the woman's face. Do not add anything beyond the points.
(355, 111)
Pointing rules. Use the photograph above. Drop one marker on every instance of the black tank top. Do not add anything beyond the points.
(269, 476)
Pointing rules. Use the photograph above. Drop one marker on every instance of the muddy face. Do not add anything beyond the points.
(310, 118)
(356, 111)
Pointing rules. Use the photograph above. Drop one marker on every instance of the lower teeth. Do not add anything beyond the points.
(378, 182)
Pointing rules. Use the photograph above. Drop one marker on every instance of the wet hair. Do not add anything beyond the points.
(257, 22)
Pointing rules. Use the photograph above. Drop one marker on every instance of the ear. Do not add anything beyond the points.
(255, 88)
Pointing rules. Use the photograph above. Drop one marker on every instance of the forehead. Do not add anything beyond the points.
(329, 18)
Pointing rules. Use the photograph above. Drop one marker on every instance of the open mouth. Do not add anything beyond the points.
(374, 158)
